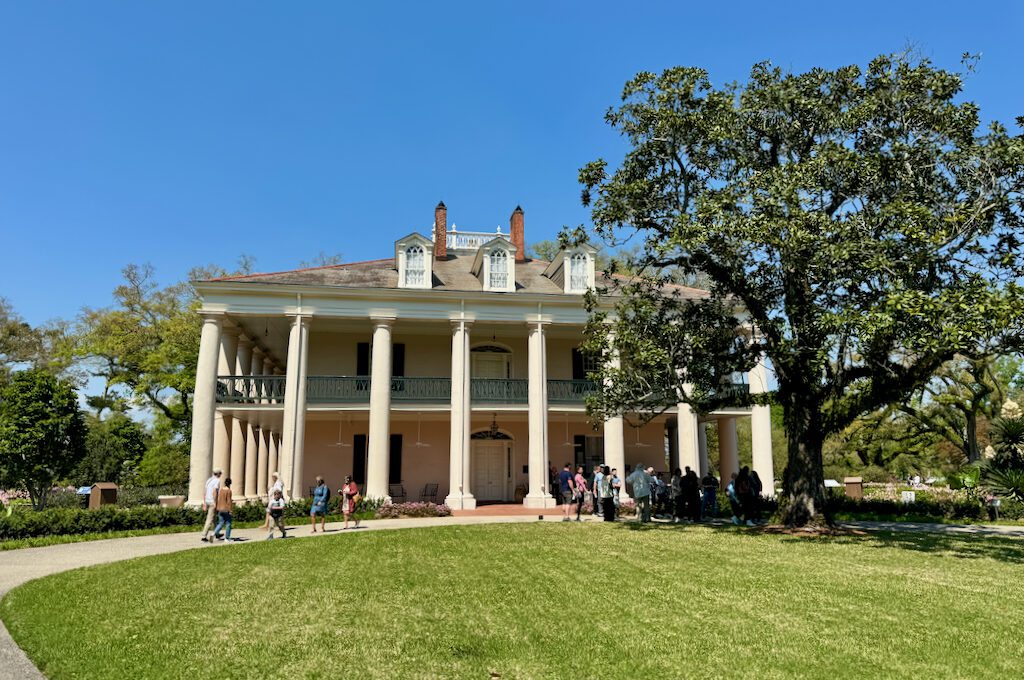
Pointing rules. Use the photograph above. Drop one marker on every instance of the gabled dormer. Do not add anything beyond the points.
(495, 265)
(414, 256)
(573, 269)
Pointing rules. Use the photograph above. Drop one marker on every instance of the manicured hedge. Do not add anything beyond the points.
(70, 521)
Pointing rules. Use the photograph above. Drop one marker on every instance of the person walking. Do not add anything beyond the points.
(734, 500)
(596, 490)
(321, 497)
(275, 512)
(350, 498)
(641, 482)
(675, 494)
(210, 501)
(616, 488)
(607, 495)
(709, 503)
(581, 490)
(757, 490)
(745, 496)
(275, 486)
(565, 490)
(691, 489)
(224, 507)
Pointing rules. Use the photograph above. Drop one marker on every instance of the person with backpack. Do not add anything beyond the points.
(350, 498)
(225, 505)
(691, 490)
(580, 488)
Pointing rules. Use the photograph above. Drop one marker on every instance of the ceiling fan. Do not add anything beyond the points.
(340, 443)
(567, 442)
(639, 444)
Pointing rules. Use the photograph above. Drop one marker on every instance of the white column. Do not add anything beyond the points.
(702, 446)
(728, 453)
(299, 482)
(689, 437)
(262, 458)
(204, 407)
(615, 450)
(761, 431)
(378, 443)
(221, 422)
(539, 495)
(239, 428)
(459, 493)
(272, 463)
(294, 406)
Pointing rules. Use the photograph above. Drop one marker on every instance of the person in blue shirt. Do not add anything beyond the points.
(565, 487)
(321, 497)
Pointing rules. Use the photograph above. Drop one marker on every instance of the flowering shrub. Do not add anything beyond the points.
(415, 509)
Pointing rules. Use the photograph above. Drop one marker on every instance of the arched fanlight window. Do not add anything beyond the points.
(578, 278)
(499, 269)
(415, 269)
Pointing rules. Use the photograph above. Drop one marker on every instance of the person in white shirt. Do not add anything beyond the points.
(274, 487)
(210, 501)
(275, 513)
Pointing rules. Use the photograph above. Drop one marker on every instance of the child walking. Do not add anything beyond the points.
(275, 511)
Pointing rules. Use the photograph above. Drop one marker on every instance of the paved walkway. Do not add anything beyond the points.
(20, 566)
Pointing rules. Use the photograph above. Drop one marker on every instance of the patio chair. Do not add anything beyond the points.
(397, 493)
(429, 493)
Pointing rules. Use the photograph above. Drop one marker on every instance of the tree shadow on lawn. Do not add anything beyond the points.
(947, 545)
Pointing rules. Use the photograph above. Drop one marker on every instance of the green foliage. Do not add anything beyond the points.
(166, 460)
(42, 432)
(844, 222)
(114, 449)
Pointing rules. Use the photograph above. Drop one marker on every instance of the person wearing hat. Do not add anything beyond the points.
(210, 501)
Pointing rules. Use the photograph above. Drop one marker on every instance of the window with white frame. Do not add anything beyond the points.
(499, 269)
(579, 278)
(415, 267)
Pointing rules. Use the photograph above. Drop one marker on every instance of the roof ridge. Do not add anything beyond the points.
(340, 265)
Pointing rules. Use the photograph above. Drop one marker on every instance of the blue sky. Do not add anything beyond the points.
(189, 133)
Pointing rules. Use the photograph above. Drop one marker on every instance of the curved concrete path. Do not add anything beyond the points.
(20, 566)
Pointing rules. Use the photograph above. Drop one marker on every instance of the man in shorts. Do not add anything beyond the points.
(565, 486)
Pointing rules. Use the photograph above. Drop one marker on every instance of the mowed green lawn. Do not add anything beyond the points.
(538, 600)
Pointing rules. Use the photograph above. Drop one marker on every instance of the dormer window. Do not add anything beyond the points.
(572, 270)
(413, 257)
(415, 269)
(499, 270)
(495, 265)
(579, 279)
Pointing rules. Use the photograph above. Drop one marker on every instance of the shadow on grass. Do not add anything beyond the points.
(974, 545)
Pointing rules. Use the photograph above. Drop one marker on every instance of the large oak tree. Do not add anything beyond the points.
(861, 223)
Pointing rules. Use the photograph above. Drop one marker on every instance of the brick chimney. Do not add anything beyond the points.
(517, 229)
(441, 232)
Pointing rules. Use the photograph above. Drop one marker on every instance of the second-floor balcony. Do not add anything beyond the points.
(356, 390)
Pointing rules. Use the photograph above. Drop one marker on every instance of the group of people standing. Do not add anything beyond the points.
(218, 504)
(686, 498)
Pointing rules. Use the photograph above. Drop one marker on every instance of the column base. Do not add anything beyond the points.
(460, 502)
(539, 502)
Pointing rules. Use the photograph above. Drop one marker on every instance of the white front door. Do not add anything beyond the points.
(490, 470)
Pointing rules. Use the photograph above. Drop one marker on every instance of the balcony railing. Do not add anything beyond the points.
(570, 391)
(320, 389)
(499, 390)
(250, 389)
(349, 389)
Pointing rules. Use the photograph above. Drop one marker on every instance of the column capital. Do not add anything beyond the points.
(461, 323)
(245, 341)
(382, 321)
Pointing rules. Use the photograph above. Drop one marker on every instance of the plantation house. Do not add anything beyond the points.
(449, 370)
